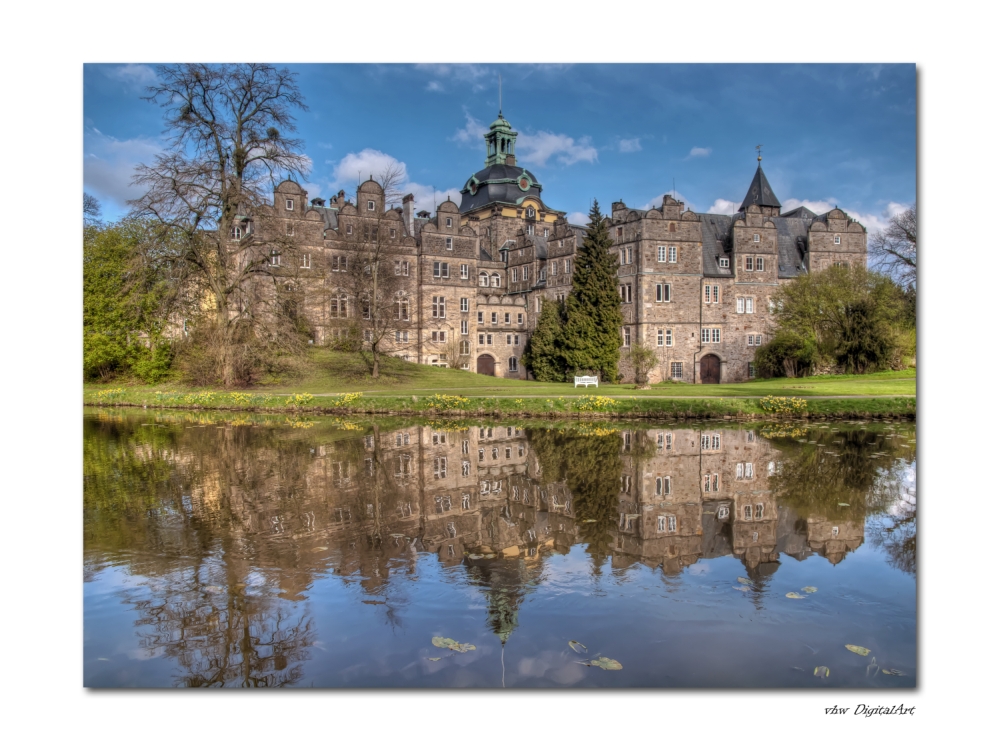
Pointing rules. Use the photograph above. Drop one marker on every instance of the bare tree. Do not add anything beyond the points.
(380, 277)
(893, 250)
(229, 139)
(91, 210)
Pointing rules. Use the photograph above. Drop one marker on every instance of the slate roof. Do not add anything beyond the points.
(799, 213)
(498, 184)
(541, 247)
(715, 228)
(329, 216)
(792, 243)
(760, 193)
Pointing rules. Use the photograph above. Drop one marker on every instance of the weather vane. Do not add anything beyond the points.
(759, 147)
(500, 77)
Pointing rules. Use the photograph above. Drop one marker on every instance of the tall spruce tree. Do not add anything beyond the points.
(592, 334)
(543, 353)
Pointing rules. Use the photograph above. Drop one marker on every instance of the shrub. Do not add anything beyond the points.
(786, 355)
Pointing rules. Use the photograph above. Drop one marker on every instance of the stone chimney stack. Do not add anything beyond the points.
(408, 212)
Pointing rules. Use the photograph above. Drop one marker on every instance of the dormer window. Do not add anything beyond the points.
(447, 223)
(371, 205)
(392, 234)
(836, 239)
(723, 262)
(350, 229)
(235, 233)
(289, 204)
(531, 213)
(756, 238)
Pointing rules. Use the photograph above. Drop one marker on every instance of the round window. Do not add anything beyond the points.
(523, 183)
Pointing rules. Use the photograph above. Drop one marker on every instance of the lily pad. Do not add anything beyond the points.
(823, 672)
(860, 650)
(793, 595)
(320, 549)
(810, 589)
(577, 646)
(742, 588)
(894, 672)
(743, 580)
(603, 662)
(451, 643)
(433, 658)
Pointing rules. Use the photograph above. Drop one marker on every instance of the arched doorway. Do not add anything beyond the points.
(484, 365)
(710, 369)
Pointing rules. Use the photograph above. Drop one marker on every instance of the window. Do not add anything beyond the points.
(740, 304)
(723, 262)
(748, 471)
(350, 229)
(628, 252)
(512, 366)
(749, 304)
(554, 267)
(510, 339)
(440, 468)
(760, 264)
(466, 468)
(716, 441)
(479, 317)
(538, 304)
(661, 253)
(493, 318)
(338, 263)
(671, 254)
(447, 223)
(338, 306)
(513, 275)
(627, 336)
(402, 309)
(676, 369)
(758, 511)
(531, 229)
(663, 292)
(392, 234)
(440, 270)
(306, 261)
(489, 339)
(662, 486)
(235, 233)
(748, 263)
(495, 452)
(402, 267)
(565, 261)
(289, 204)
(482, 452)
(517, 339)
(506, 319)
(484, 279)
(465, 328)
(447, 241)
(671, 523)
(520, 319)
(711, 294)
(716, 335)
(463, 305)
(437, 307)
(439, 336)
(625, 290)
(659, 337)
(723, 512)
(836, 239)
(747, 512)
(751, 371)
(402, 337)
(495, 279)
(705, 335)
(545, 232)
(756, 238)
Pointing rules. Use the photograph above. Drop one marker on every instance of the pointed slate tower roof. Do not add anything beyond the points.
(760, 193)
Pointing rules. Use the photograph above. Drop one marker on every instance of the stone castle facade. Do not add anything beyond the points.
(469, 281)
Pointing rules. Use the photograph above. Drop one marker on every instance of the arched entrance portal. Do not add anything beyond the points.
(484, 365)
(710, 369)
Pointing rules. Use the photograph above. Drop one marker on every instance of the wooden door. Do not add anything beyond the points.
(710, 369)
(484, 365)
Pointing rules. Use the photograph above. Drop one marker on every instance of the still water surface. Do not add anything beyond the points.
(255, 551)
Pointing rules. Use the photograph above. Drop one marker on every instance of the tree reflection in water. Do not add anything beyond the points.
(230, 521)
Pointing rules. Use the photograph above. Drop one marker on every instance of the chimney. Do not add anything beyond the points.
(511, 161)
(408, 213)
(318, 201)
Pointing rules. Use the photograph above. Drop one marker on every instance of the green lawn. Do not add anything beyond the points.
(328, 372)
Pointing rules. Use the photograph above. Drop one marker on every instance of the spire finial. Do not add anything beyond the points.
(759, 147)
(501, 93)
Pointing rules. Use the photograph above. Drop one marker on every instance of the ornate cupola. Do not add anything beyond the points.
(500, 143)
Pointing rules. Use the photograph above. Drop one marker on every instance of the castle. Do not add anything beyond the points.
(468, 283)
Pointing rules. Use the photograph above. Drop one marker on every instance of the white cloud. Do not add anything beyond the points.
(471, 134)
(133, 76)
(578, 217)
(894, 208)
(870, 220)
(698, 151)
(818, 207)
(657, 201)
(476, 75)
(373, 162)
(628, 145)
(537, 148)
(723, 206)
(109, 165)
(435, 86)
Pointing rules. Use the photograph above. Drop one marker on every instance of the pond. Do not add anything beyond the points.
(226, 550)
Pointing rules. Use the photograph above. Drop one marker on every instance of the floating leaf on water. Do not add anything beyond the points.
(433, 658)
(860, 650)
(810, 589)
(320, 549)
(793, 595)
(443, 642)
(746, 581)
(894, 672)
(823, 672)
(577, 646)
(603, 662)
(742, 588)
(463, 647)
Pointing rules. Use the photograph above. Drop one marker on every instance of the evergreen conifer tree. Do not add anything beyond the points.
(543, 353)
(592, 334)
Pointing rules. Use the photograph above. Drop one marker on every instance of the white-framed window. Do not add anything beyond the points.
(517, 339)
(465, 327)
(723, 262)
(627, 336)
(716, 335)
(836, 530)
(554, 267)
(662, 486)
(836, 239)
(289, 204)
(438, 337)
(494, 318)
(747, 512)
(513, 275)
(671, 254)
(463, 271)
(668, 337)
(466, 468)
(402, 308)
(760, 264)
(531, 229)
(464, 347)
(659, 337)
(479, 317)
(350, 229)
(706, 335)
(447, 223)
(506, 319)
(437, 307)
(716, 441)
(236, 232)
(671, 523)
(756, 238)
(402, 337)
(530, 213)
(758, 512)
(489, 339)
(510, 339)
(625, 290)
(723, 512)
(706, 440)
(441, 270)
(440, 467)
(447, 243)
(520, 319)
(338, 306)
(275, 258)
(482, 452)
(749, 304)
(545, 232)
(512, 366)
(495, 279)
(711, 294)
(392, 234)
(748, 263)
(463, 304)
(740, 305)
(306, 261)
(676, 369)
(565, 261)
(661, 253)
(663, 292)
(484, 279)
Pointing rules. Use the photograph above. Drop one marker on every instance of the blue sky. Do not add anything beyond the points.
(832, 134)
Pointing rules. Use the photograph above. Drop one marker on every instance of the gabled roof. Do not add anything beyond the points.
(715, 229)
(760, 193)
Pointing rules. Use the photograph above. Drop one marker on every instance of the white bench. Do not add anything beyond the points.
(586, 381)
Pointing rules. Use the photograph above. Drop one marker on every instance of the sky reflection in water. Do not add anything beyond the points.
(264, 552)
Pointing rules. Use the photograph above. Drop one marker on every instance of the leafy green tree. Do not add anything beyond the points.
(592, 335)
(122, 329)
(643, 359)
(543, 352)
(788, 354)
(856, 316)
